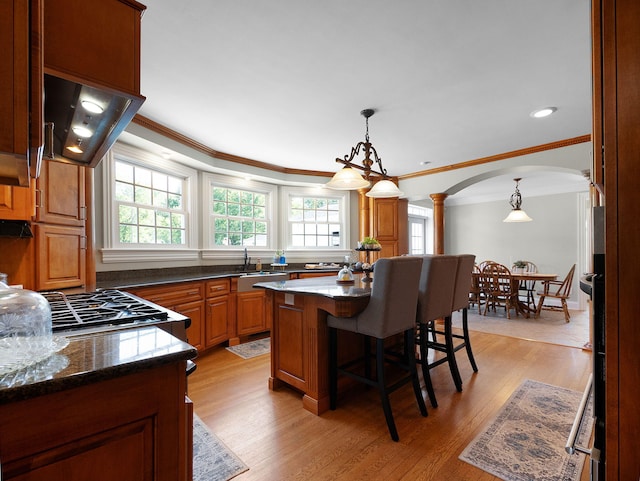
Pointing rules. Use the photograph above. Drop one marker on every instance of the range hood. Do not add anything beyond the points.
(82, 121)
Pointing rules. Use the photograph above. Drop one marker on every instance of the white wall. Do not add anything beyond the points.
(552, 241)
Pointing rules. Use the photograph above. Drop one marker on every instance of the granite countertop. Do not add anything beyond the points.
(152, 277)
(94, 357)
(320, 286)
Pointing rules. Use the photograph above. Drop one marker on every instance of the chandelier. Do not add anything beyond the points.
(517, 214)
(348, 178)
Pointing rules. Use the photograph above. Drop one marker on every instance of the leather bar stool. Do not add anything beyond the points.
(437, 285)
(391, 311)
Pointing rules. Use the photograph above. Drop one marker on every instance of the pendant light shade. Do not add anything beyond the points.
(347, 179)
(384, 189)
(350, 179)
(517, 214)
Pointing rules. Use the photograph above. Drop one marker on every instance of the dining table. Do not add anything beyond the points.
(522, 307)
(297, 313)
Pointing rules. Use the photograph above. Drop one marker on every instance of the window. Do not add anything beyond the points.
(150, 206)
(315, 219)
(239, 212)
(420, 231)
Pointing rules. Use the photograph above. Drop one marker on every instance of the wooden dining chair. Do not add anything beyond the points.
(391, 311)
(476, 295)
(498, 286)
(528, 286)
(560, 290)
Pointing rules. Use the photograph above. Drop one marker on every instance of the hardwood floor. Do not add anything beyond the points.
(279, 440)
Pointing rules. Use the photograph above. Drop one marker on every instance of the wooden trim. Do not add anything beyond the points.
(506, 155)
(189, 142)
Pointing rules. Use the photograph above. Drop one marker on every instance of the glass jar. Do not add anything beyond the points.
(22, 312)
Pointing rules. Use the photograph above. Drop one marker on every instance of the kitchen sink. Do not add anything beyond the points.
(246, 281)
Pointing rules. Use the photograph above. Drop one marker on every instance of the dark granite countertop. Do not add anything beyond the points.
(152, 277)
(95, 357)
(320, 286)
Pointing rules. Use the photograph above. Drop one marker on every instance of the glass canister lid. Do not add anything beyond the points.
(23, 312)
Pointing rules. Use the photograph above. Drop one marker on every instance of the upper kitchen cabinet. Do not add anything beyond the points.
(21, 80)
(389, 225)
(92, 76)
(60, 197)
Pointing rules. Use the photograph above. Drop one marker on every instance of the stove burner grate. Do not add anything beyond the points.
(97, 308)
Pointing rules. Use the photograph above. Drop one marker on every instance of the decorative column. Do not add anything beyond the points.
(438, 222)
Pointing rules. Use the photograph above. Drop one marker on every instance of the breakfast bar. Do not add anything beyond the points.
(299, 335)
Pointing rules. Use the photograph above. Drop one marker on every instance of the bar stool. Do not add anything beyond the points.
(391, 310)
(437, 284)
(464, 274)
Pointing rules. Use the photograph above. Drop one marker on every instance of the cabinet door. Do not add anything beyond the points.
(21, 129)
(16, 203)
(195, 332)
(251, 315)
(61, 194)
(216, 319)
(61, 257)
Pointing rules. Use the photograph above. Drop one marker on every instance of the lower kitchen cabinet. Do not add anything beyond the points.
(128, 428)
(218, 313)
(195, 312)
(251, 313)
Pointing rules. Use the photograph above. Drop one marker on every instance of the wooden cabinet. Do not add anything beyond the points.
(60, 256)
(16, 203)
(61, 194)
(251, 313)
(306, 275)
(128, 428)
(21, 77)
(94, 41)
(389, 225)
(220, 315)
(186, 298)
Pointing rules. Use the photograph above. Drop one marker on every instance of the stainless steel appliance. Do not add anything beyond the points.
(593, 285)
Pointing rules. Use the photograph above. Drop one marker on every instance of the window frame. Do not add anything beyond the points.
(114, 250)
(298, 253)
(212, 251)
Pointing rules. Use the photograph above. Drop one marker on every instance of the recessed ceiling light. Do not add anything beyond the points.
(545, 112)
(425, 162)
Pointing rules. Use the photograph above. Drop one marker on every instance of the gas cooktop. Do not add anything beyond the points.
(106, 307)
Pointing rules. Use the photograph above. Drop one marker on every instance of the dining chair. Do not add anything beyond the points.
(560, 290)
(435, 301)
(391, 311)
(529, 286)
(476, 294)
(498, 286)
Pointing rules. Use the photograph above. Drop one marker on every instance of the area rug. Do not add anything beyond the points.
(525, 442)
(212, 459)
(247, 350)
(549, 327)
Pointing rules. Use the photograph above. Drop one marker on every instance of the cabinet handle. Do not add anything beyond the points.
(192, 293)
(50, 153)
(83, 213)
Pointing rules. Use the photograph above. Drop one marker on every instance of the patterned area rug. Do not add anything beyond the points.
(212, 460)
(525, 442)
(251, 349)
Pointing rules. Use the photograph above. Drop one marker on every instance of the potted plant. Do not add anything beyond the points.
(519, 266)
(369, 243)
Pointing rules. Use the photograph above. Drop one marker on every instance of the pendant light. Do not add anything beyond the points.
(517, 214)
(348, 178)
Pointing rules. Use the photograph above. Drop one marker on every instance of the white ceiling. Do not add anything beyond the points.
(284, 81)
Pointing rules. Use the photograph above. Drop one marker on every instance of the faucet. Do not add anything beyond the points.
(247, 260)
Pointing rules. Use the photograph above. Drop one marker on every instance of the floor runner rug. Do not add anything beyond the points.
(526, 440)
(247, 350)
(212, 459)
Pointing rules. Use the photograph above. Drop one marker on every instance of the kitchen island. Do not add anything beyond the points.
(299, 333)
(109, 405)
